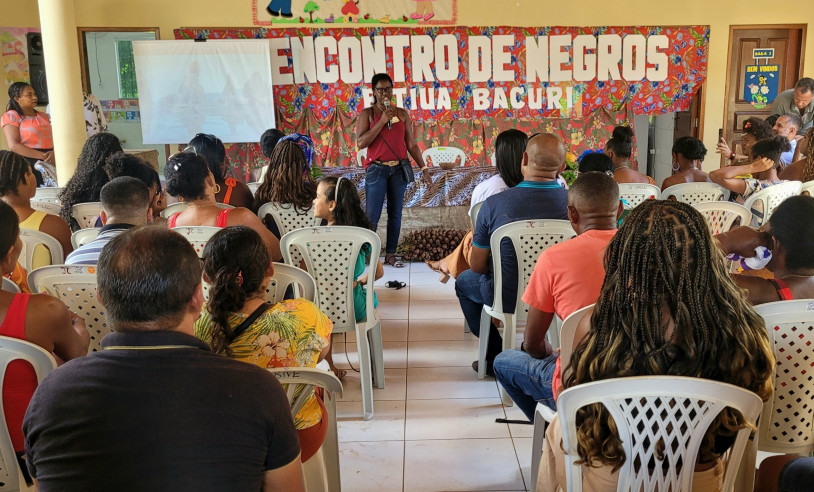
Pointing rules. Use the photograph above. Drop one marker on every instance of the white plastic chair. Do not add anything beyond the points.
(473, 213)
(693, 193)
(31, 239)
(84, 236)
(10, 286)
(787, 421)
(771, 197)
(636, 193)
(529, 238)
(13, 349)
(807, 188)
(284, 275)
(437, 155)
(673, 410)
(49, 207)
(330, 254)
(181, 206)
(321, 470)
(721, 216)
(75, 286)
(542, 414)
(50, 194)
(197, 236)
(288, 218)
(361, 157)
(253, 186)
(86, 214)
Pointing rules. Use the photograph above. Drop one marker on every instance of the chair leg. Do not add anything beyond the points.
(537, 448)
(365, 373)
(483, 342)
(314, 472)
(377, 351)
(509, 331)
(745, 479)
(330, 446)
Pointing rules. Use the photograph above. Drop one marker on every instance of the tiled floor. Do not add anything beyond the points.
(434, 424)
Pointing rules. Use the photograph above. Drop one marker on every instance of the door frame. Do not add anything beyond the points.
(732, 28)
(83, 52)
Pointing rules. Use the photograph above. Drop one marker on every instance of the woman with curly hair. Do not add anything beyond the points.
(189, 179)
(667, 307)
(288, 181)
(238, 322)
(230, 190)
(86, 183)
(754, 130)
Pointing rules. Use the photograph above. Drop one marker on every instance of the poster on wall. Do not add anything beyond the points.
(760, 84)
(326, 12)
(14, 55)
(463, 85)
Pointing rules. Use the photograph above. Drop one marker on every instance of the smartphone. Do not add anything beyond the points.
(720, 134)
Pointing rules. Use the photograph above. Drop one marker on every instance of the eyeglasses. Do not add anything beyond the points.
(383, 89)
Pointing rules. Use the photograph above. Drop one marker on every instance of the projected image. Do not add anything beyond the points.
(219, 87)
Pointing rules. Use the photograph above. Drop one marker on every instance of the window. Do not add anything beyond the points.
(127, 70)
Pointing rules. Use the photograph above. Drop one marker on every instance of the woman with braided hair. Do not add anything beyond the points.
(288, 180)
(667, 307)
(86, 183)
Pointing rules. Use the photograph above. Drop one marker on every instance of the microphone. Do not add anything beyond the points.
(387, 106)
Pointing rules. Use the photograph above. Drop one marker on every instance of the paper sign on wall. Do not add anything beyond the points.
(760, 84)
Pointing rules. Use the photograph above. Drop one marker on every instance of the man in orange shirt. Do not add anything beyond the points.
(567, 277)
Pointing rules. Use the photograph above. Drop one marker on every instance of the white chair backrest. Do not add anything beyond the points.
(287, 217)
(253, 186)
(86, 213)
(693, 193)
(13, 349)
(49, 207)
(636, 193)
(361, 157)
(84, 236)
(529, 238)
(181, 206)
(197, 236)
(330, 254)
(567, 332)
(473, 213)
(807, 188)
(75, 286)
(722, 216)
(10, 286)
(31, 239)
(787, 421)
(437, 155)
(771, 197)
(285, 275)
(299, 384)
(50, 194)
(671, 410)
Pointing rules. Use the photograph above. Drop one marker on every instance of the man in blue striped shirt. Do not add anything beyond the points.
(125, 204)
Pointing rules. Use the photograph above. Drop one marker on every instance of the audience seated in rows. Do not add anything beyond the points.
(619, 148)
(788, 125)
(124, 164)
(89, 176)
(789, 236)
(543, 160)
(667, 306)
(803, 168)
(688, 153)
(509, 148)
(125, 204)
(289, 179)
(36, 318)
(238, 322)
(763, 168)
(229, 190)
(189, 179)
(268, 141)
(754, 129)
(155, 409)
(17, 188)
(595, 161)
(567, 277)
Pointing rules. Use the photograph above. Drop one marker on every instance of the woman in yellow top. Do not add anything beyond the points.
(291, 333)
(17, 186)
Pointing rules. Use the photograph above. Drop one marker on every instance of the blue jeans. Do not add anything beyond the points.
(473, 291)
(281, 6)
(526, 379)
(381, 181)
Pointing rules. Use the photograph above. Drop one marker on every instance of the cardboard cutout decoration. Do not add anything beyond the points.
(399, 12)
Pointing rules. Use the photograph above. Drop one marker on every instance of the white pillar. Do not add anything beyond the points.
(61, 51)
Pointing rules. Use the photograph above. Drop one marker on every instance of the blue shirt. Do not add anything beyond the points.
(529, 200)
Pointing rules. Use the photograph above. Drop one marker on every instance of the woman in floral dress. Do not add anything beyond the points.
(237, 321)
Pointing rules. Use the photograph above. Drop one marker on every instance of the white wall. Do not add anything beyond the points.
(665, 129)
(103, 82)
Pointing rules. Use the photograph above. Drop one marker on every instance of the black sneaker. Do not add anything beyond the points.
(271, 12)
